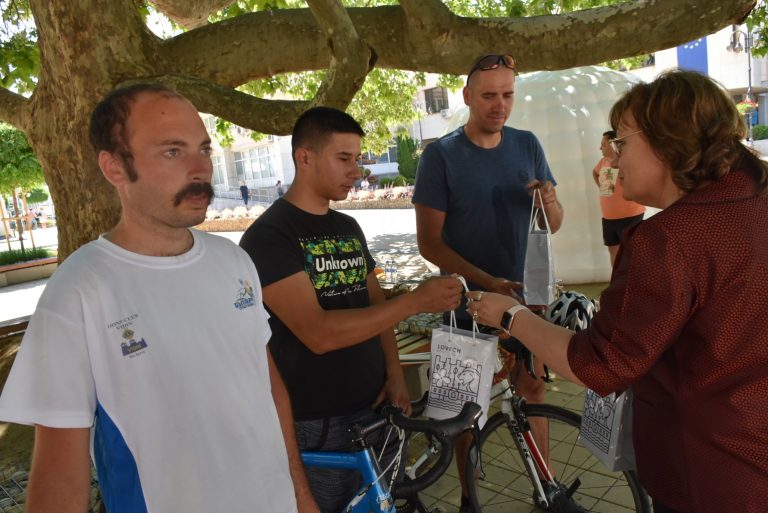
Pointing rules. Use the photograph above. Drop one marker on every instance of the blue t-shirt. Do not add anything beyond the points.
(483, 194)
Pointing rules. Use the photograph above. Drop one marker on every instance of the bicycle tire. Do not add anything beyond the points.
(507, 487)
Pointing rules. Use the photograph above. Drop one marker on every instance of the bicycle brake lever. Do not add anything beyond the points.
(476, 449)
(531, 370)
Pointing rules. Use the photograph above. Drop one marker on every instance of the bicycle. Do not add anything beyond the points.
(375, 494)
(511, 474)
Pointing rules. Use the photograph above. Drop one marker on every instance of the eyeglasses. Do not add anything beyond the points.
(492, 62)
(618, 142)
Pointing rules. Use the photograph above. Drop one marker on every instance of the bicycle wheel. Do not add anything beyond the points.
(507, 487)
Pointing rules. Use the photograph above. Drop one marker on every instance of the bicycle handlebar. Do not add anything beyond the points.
(444, 432)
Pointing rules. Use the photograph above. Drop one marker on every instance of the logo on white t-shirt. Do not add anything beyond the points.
(245, 296)
(131, 345)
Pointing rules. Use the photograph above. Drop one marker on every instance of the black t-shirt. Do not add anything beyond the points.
(331, 249)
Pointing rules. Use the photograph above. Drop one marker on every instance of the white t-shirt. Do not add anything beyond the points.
(165, 359)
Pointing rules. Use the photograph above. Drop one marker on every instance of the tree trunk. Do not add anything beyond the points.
(86, 50)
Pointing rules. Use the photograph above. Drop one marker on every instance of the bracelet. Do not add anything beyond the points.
(508, 317)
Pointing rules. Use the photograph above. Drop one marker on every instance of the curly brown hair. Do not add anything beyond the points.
(693, 127)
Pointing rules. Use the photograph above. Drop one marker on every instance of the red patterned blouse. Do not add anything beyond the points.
(684, 322)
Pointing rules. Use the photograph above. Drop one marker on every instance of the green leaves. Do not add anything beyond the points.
(18, 165)
(757, 24)
(19, 54)
(407, 158)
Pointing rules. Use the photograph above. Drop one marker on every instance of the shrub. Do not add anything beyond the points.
(15, 256)
(759, 132)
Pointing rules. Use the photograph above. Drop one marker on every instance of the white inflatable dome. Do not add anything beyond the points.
(568, 111)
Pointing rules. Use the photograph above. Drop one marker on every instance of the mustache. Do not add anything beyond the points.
(193, 189)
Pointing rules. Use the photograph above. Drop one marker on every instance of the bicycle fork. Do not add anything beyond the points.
(529, 451)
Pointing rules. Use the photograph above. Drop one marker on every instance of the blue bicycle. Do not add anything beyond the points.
(376, 495)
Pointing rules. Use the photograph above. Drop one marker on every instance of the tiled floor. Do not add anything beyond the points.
(507, 490)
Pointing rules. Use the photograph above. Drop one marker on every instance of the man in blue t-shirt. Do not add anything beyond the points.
(473, 200)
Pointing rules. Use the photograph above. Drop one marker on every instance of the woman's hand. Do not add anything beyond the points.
(487, 307)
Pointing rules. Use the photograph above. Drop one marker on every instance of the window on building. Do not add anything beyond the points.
(390, 155)
(436, 99)
(218, 170)
(210, 124)
(255, 166)
(393, 153)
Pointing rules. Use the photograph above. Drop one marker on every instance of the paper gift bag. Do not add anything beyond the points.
(539, 271)
(606, 429)
(462, 369)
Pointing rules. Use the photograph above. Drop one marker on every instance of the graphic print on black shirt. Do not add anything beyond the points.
(331, 250)
(335, 266)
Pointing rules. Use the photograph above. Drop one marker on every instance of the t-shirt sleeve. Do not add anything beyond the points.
(275, 254)
(643, 312)
(431, 189)
(51, 382)
(247, 262)
(541, 166)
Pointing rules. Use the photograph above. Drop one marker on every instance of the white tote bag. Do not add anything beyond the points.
(539, 272)
(462, 369)
(606, 429)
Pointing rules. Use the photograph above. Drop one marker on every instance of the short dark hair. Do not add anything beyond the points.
(610, 134)
(107, 127)
(315, 126)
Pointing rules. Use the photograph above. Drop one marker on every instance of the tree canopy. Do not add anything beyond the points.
(235, 60)
(18, 165)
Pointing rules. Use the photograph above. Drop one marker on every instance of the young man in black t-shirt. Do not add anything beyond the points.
(332, 329)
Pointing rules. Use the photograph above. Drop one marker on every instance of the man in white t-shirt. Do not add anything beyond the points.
(148, 346)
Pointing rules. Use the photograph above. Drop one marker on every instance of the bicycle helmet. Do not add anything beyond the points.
(571, 310)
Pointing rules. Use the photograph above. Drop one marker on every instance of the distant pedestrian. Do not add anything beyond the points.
(279, 189)
(244, 192)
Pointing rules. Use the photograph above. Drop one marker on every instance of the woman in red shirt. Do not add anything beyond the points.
(684, 319)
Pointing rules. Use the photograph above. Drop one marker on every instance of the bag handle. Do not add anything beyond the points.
(452, 324)
(534, 210)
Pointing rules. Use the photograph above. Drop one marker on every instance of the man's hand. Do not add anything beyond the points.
(437, 295)
(548, 204)
(396, 393)
(506, 287)
(547, 190)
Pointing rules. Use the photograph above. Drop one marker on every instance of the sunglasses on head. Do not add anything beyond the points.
(492, 62)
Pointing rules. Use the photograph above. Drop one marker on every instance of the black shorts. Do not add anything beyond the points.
(613, 228)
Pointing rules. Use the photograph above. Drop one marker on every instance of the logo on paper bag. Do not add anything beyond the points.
(454, 382)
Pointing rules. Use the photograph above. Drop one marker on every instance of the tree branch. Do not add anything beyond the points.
(190, 14)
(291, 40)
(13, 109)
(266, 116)
(351, 59)
(426, 13)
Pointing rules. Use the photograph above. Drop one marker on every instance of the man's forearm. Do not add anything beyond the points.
(285, 416)
(443, 256)
(60, 478)
(555, 213)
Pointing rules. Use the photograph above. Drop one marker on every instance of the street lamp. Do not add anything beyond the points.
(736, 46)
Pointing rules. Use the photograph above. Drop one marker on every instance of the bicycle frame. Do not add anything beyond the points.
(374, 495)
(521, 434)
